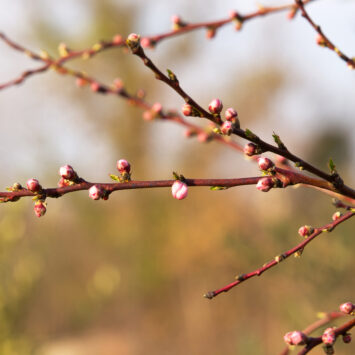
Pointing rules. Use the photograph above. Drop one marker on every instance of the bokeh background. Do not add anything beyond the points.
(127, 275)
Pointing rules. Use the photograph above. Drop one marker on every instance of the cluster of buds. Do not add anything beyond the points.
(40, 206)
(295, 338)
(179, 190)
(305, 231)
(155, 111)
(347, 308)
(265, 164)
(231, 122)
(68, 176)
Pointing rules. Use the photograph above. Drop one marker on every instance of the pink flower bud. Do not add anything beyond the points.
(215, 106)
(298, 338)
(80, 82)
(95, 87)
(227, 128)
(347, 338)
(179, 190)
(40, 208)
(96, 192)
(233, 14)
(336, 216)
(265, 163)
(321, 40)
(133, 40)
(147, 43)
(140, 94)
(202, 137)
(265, 184)
(67, 172)
(295, 338)
(33, 185)
(328, 336)
(282, 160)
(118, 83)
(230, 114)
(187, 110)
(347, 307)
(157, 107)
(250, 149)
(288, 339)
(117, 40)
(123, 166)
(63, 182)
(175, 19)
(211, 32)
(305, 231)
(148, 115)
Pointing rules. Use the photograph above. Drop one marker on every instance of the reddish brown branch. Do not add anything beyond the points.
(325, 41)
(313, 342)
(328, 317)
(317, 231)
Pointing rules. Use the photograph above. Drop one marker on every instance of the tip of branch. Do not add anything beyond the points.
(209, 295)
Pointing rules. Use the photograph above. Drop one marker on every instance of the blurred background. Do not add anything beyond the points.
(127, 275)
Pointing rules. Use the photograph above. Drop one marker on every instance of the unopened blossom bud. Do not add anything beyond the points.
(123, 166)
(231, 114)
(336, 215)
(227, 128)
(298, 338)
(211, 32)
(250, 149)
(118, 83)
(282, 160)
(347, 338)
(190, 133)
(40, 208)
(33, 185)
(147, 43)
(202, 137)
(16, 186)
(187, 110)
(328, 336)
(157, 107)
(305, 231)
(96, 192)
(63, 182)
(265, 163)
(175, 19)
(67, 172)
(140, 94)
(347, 307)
(265, 184)
(288, 339)
(117, 40)
(80, 82)
(133, 40)
(95, 87)
(291, 14)
(295, 338)
(321, 40)
(215, 106)
(179, 190)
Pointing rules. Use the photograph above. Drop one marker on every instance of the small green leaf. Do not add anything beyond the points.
(278, 141)
(250, 134)
(176, 176)
(332, 166)
(115, 177)
(172, 76)
(218, 188)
